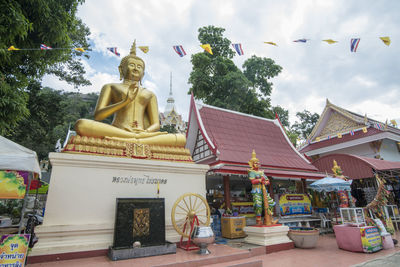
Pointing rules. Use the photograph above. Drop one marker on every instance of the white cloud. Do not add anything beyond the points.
(364, 82)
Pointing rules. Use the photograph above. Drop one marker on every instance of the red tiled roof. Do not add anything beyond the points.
(380, 165)
(270, 172)
(354, 167)
(335, 140)
(235, 135)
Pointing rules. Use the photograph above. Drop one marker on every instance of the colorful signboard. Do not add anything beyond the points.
(12, 185)
(13, 250)
(295, 204)
(370, 239)
(243, 208)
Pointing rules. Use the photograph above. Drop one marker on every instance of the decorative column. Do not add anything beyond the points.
(270, 187)
(304, 185)
(227, 192)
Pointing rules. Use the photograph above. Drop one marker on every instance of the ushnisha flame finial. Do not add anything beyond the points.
(133, 48)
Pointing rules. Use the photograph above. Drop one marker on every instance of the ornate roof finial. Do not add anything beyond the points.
(253, 159)
(253, 154)
(365, 119)
(327, 102)
(386, 125)
(133, 48)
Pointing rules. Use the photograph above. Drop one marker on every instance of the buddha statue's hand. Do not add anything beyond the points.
(132, 91)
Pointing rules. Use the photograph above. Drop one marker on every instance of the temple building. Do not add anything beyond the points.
(362, 147)
(170, 116)
(341, 131)
(224, 139)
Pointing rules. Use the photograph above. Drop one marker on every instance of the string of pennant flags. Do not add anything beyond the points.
(364, 129)
(354, 43)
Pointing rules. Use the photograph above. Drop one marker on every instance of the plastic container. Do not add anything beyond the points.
(304, 237)
(387, 241)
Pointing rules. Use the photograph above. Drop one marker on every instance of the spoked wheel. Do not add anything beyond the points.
(185, 209)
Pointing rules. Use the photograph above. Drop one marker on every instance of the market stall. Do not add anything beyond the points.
(18, 167)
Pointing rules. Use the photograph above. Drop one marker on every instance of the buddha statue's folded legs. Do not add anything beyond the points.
(91, 128)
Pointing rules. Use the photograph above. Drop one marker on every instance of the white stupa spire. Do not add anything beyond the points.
(170, 115)
(170, 101)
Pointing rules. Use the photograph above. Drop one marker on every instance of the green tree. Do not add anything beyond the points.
(219, 82)
(293, 136)
(12, 109)
(27, 24)
(306, 124)
(168, 128)
(283, 115)
(52, 112)
(36, 131)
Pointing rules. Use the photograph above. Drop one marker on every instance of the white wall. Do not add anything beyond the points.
(80, 208)
(389, 150)
(364, 150)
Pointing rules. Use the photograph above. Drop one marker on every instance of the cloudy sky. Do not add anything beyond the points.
(367, 81)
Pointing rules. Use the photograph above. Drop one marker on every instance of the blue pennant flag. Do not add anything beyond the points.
(113, 50)
(238, 49)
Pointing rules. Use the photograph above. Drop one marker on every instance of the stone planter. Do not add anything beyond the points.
(304, 237)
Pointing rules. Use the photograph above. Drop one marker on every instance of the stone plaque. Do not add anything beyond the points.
(139, 219)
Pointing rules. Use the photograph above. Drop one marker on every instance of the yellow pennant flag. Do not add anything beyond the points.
(330, 41)
(80, 49)
(145, 49)
(339, 135)
(207, 47)
(364, 129)
(317, 139)
(385, 40)
(12, 48)
(271, 43)
(393, 122)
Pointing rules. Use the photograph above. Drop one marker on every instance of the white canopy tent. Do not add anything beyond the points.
(16, 157)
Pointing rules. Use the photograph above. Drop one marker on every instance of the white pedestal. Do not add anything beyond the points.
(267, 236)
(80, 208)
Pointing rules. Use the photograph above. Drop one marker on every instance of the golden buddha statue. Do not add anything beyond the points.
(134, 108)
(134, 131)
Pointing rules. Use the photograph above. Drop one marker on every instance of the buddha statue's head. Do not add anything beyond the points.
(123, 66)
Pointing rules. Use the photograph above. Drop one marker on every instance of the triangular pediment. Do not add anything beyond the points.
(201, 149)
(338, 123)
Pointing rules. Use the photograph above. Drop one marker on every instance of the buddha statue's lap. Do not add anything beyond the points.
(134, 108)
(85, 127)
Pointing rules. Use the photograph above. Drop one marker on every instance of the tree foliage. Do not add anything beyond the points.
(217, 81)
(306, 124)
(52, 112)
(11, 110)
(283, 115)
(168, 128)
(27, 24)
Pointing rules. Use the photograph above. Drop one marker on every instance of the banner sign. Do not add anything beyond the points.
(13, 250)
(370, 239)
(295, 204)
(12, 185)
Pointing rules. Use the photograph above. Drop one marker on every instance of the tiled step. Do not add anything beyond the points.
(219, 254)
(241, 263)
